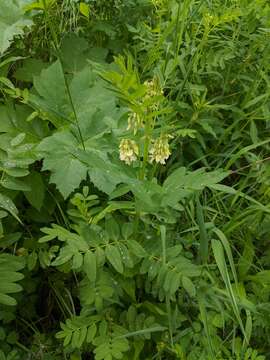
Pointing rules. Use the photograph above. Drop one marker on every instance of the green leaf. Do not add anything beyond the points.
(77, 261)
(223, 188)
(12, 183)
(144, 331)
(92, 115)
(112, 228)
(9, 287)
(7, 204)
(136, 248)
(7, 300)
(37, 193)
(12, 22)
(75, 338)
(30, 69)
(255, 100)
(188, 286)
(53, 97)
(18, 139)
(113, 255)
(84, 9)
(67, 171)
(90, 265)
(9, 267)
(180, 184)
(246, 260)
(91, 333)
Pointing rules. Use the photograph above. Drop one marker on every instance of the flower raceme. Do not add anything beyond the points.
(143, 120)
(160, 150)
(128, 151)
(153, 89)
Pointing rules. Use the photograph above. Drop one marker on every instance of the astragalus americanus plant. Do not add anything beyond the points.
(134, 158)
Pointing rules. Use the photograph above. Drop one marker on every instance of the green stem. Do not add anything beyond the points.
(148, 133)
(72, 106)
(24, 348)
(56, 47)
(162, 229)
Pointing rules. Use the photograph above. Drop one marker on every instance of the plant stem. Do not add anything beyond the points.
(56, 47)
(147, 140)
(168, 302)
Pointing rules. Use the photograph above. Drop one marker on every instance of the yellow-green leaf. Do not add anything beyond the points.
(84, 9)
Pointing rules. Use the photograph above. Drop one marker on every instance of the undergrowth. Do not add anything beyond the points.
(134, 188)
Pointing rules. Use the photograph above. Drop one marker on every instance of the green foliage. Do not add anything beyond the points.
(12, 22)
(134, 180)
(9, 270)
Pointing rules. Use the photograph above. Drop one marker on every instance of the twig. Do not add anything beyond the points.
(248, 166)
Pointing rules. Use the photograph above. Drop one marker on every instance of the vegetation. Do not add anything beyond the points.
(135, 179)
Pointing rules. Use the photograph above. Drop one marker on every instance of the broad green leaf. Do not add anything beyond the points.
(30, 69)
(12, 22)
(65, 153)
(53, 96)
(67, 171)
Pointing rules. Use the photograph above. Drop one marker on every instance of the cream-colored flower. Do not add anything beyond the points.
(152, 89)
(134, 122)
(128, 150)
(160, 150)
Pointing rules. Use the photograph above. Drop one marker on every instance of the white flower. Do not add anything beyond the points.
(128, 150)
(152, 89)
(160, 150)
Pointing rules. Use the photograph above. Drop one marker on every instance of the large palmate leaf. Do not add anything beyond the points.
(87, 96)
(67, 171)
(181, 183)
(85, 121)
(12, 22)
(69, 163)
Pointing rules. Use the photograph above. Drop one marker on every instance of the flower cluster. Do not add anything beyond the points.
(160, 150)
(128, 151)
(152, 89)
